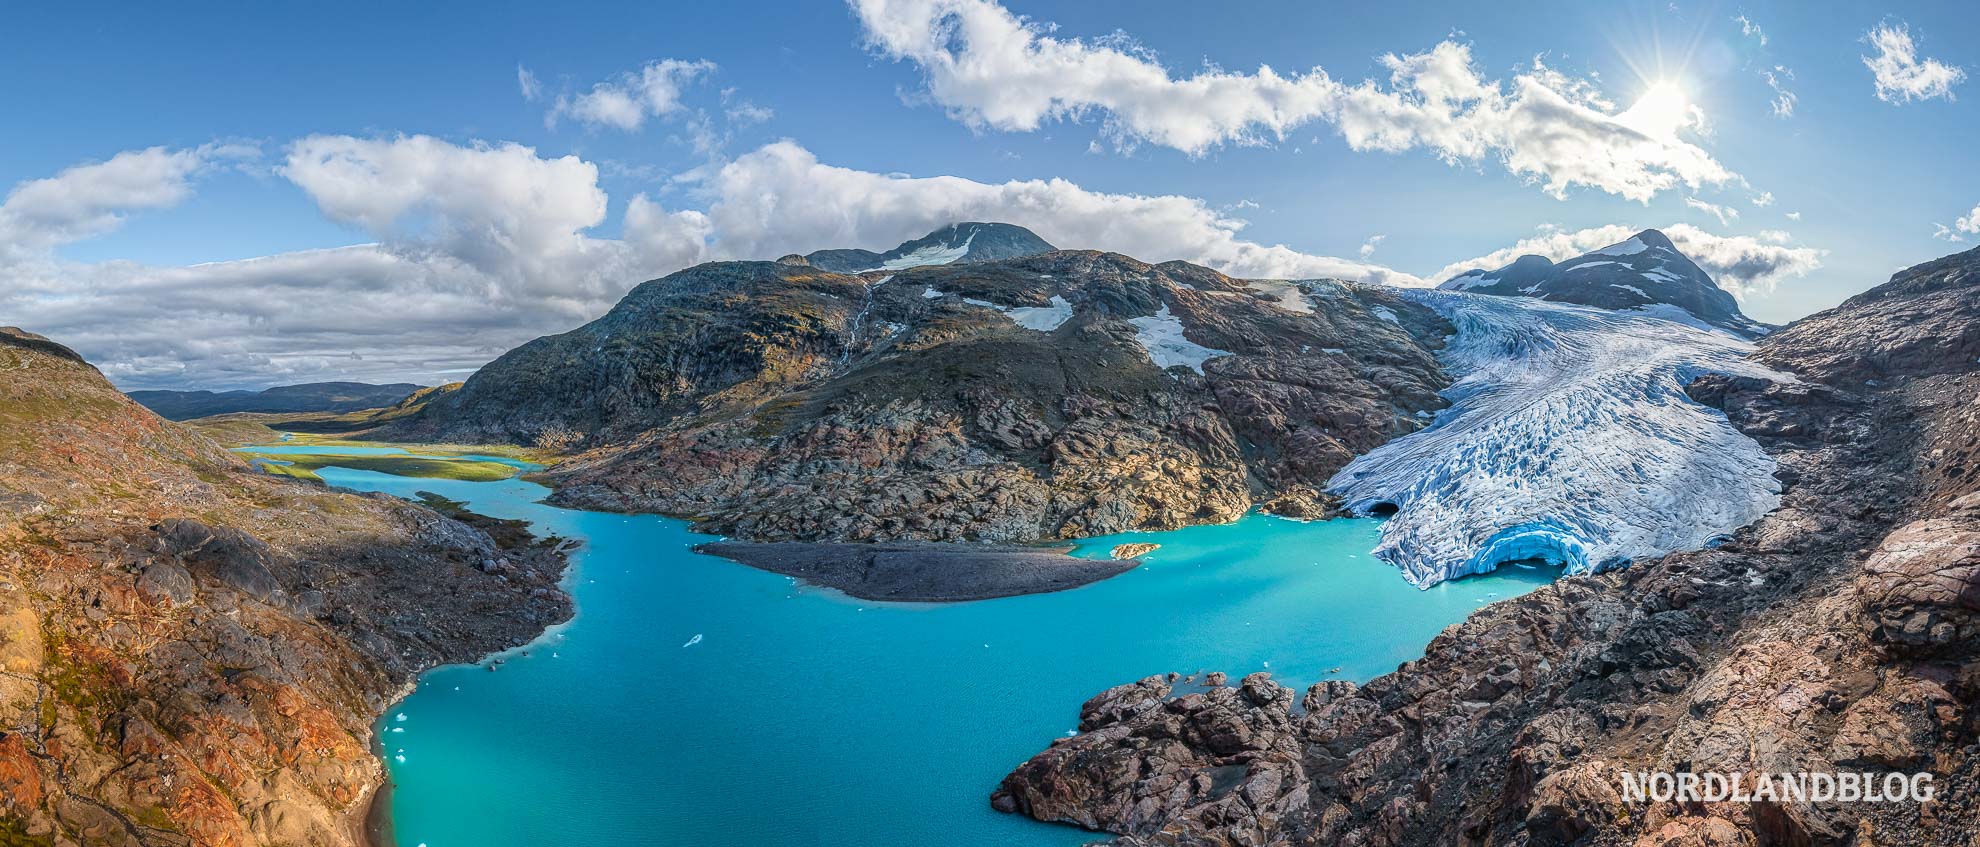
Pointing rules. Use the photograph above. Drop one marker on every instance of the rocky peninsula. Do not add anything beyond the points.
(923, 572)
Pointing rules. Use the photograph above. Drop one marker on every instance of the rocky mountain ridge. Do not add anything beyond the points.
(1047, 396)
(957, 243)
(1841, 632)
(192, 652)
(1645, 273)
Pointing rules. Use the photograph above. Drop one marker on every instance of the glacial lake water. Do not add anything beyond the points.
(694, 701)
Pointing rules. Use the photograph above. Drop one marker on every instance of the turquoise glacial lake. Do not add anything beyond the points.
(694, 701)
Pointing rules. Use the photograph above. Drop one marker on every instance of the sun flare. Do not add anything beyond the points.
(1663, 109)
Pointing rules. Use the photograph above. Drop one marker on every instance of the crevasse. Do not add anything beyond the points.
(1569, 438)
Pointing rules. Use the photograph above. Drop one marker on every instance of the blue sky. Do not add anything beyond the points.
(781, 133)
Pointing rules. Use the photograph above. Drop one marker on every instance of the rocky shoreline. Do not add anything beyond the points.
(923, 572)
(1840, 632)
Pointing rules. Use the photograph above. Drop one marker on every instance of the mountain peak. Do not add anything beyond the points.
(960, 242)
(1655, 238)
(1645, 272)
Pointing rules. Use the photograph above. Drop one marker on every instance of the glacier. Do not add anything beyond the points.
(1569, 439)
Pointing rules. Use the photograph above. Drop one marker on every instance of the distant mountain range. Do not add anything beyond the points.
(308, 397)
(1646, 273)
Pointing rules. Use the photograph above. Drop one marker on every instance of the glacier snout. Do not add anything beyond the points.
(1569, 439)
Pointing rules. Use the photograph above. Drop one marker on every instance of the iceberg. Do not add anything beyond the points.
(1569, 439)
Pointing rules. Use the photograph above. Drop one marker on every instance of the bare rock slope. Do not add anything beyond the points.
(1841, 632)
(1046, 396)
(192, 652)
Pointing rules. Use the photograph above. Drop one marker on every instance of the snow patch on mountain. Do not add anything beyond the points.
(1162, 336)
(1041, 318)
(933, 254)
(1284, 294)
(1624, 248)
(1569, 439)
(1470, 280)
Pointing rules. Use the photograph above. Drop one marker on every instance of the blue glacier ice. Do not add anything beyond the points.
(1569, 438)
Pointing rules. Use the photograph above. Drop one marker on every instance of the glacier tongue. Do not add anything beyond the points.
(1569, 439)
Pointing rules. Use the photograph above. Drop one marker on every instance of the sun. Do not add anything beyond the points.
(1663, 109)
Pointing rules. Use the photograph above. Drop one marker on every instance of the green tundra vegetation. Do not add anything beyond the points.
(305, 466)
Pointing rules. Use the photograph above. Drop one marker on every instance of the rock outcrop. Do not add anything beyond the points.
(1645, 273)
(1059, 395)
(1835, 634)
(193, 652)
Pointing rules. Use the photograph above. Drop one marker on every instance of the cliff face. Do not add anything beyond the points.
(1057, 395)
(1839, 633)
(193, 652)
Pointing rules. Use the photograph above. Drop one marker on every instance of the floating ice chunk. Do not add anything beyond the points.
(1569, 439)
(400, 717)
(1162, 336)
(692, 641)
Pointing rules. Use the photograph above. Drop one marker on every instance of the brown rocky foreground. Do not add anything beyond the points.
(1839, 633)
(193, 652)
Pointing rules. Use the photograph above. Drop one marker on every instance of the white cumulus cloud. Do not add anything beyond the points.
(1961, 228)
(1784, 99)
(1725, 214)
(781, 199)
(624, 102)
(1902, 76)
(95, 198)
(481, 247)
(993, 69)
